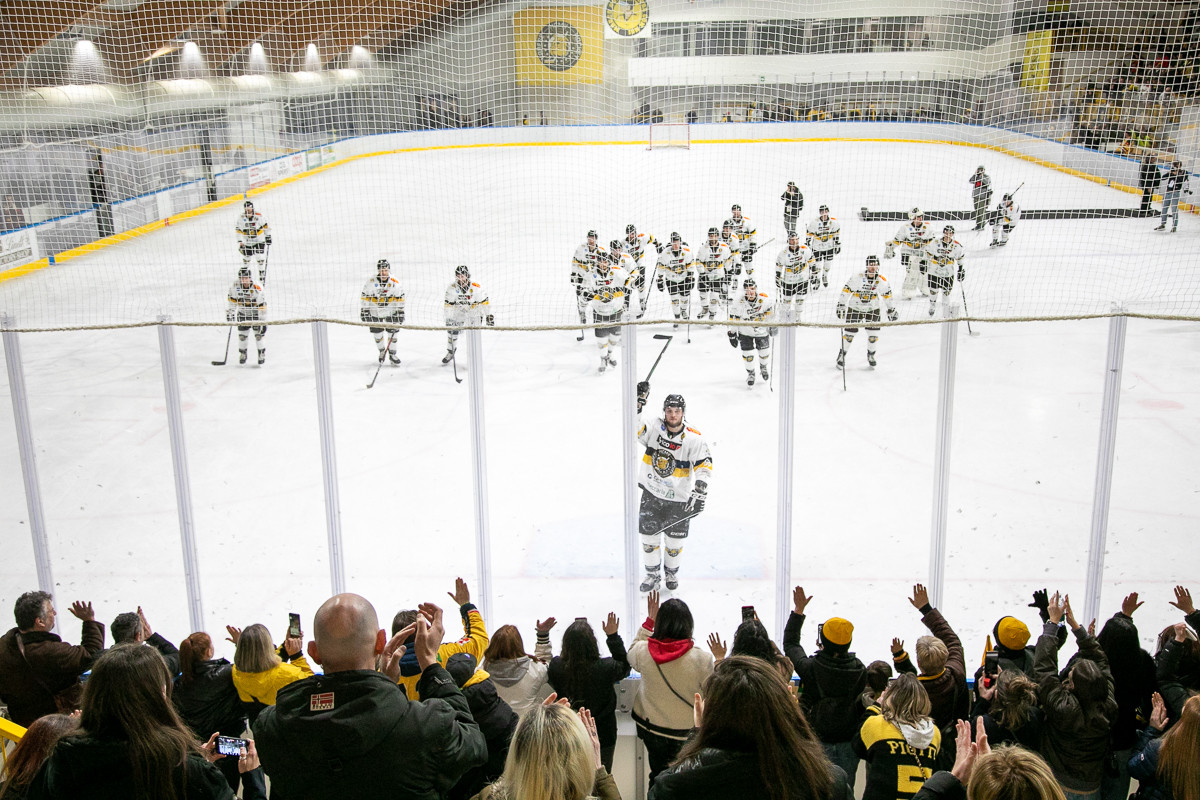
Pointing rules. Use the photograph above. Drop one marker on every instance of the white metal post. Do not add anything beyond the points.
(1102, 493)
(785, 350)
(483, 541)
(629, 494)
(29, 473)
(941, 461)
(329, 474)
(179, 465)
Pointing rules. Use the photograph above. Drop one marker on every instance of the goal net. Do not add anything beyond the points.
(129, 142)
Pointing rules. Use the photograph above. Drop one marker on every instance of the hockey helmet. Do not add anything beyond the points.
(1008, 198)
(592, 234)
(872, 261)
(675, 401)
(675, 237)
(750, 286)
(615, 247)
(727, 224)
(713, 232)
(247, 204)
(462, 274)
(630, 228)
(791, 184)
(824, 209)
(736, 209)
(915, 212)
(948, 229)
(793, 235)
(243, 272)
(979, 168)
(382, 264)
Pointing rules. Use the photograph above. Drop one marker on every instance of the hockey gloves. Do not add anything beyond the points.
(748, 257)
(751, 249)
(841, 312)
(231, 315)
(658, 246)
(837, 248)
(893, 315)
(923, 267)
(733, 340)
(267, 239)
(698, 498)
(889, 251)
(643, 394)
(364, 315)
(659, 283)
(490, 320)
(962, 274)
(772, 331)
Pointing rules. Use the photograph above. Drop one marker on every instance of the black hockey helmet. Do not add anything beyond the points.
(592, 234)
(727, 224)
(824, 209)
(872, 261)
(675, 401)
(735, 208)
(244, 272)
(615, 247)
(793, 235)
(461, 271)
(750, 284)
(1008, 198)
(630, 228)
(382, 264)
(713, 231)
(948, 229)
(675, 237)
(247, 204)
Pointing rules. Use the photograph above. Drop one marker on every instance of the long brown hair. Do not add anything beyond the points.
(747, 708)
(1015, 697)
(505, 645)
(127, 700)
(1178, 766)
(34, 748)
(192, 651)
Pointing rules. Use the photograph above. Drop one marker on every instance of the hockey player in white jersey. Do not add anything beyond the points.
(608, 294)
(382, 307)
(911, 239)
(587, 255)
(794, 271)
(863, 299)
(254, 237)
(635, 245)
(824, 238)
(466, 305)
(676, 275)
(734, 269)
(745, 232)
(674, 474)
(246, 306)
(943, 259)
(1007, 217)
(712, 260)
(752, 306)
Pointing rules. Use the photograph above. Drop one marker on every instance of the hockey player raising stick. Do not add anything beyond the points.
(744, 230)
(382, 305)
(863, 299)
(752, 306)
(824, 238)
(734, 267)
(1007, 217)
(943, 258)
(674, 476)
(635, 247)
(713, 261)
(587, 255)
(466, 304)
(676, 276)
(608, 292)
(246, 305)
(795, 268)
(912, 238)
(253, 239)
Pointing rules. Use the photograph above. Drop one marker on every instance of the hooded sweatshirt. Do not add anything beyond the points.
(899, 757)
(672, 672)
(522, 682)
(474, 641)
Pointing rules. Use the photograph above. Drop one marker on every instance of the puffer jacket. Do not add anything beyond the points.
(522, 682)
(722, 774)
(672, 673)
(1132, 673)
(210, 703)
(1143, 766)
(257, 690)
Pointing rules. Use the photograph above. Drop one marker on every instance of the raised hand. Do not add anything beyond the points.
(544, 626)
(1158, 714)
(83, 611)
(292, 645)
(461, 595)
(800, 600)
(234, 634)
(611, 625)
(589, 725)
(652, 605)
(716, 646)
(1183, 600)
(1130, 604)
(1070, 614)
(147, 631)
(920, 597)
(897, 646)
(1055, 608)
(394, 650)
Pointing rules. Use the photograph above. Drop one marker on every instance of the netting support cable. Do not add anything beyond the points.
(947, 365)
(329, 474)
(29, 473)
(483, 540)
(785, 350)
(629, 426)
(179, 466)
(1102, 493)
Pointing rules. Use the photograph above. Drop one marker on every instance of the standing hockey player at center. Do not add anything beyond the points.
(912, 238)
(943, 259)
(674, 476)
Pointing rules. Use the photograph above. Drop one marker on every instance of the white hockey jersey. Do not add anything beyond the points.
(671, 464)
(743, 231)
(383, 300)
(636, 247)
(712, 261)
(465, 306)
(584, 261)
(913, 237)
(676, 267)
(246, 304)
(1009, 215)
(943, 259)
(822, 236)
(760, 310)
(733, 244)
(794, 267)
(251, 229)
(865, 295)
(608, 291)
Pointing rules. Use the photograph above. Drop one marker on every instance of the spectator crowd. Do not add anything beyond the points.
(364, 712)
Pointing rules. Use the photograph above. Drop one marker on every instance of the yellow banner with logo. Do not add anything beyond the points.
(1035, 66)
(559, 45)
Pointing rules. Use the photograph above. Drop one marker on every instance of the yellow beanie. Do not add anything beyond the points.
(1012, 633)
(837, 631)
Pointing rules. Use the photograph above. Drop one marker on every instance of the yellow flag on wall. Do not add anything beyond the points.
(559, 45)
(1035, 66)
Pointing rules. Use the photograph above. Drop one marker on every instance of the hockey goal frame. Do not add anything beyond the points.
(663, 135)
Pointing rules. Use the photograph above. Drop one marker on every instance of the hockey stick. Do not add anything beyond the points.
(676, 522)
(228, 338)
(454, 362)
(966, 313)
(266, 261)
(382, 355)
(666, 336)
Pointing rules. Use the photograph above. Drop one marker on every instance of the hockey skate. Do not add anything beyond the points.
(262, 356)
(449, 355)
(825, 279)
(932, 308)
(994, 243)
(242, 357)
(978, 226)
(672, 578)
(841, 361)
(651, 581)
(1162, 227)
(870, 358)
(612, 362)
(763, 368)
(394, 359)
(750, 378)
(382, 355)
(603, 364)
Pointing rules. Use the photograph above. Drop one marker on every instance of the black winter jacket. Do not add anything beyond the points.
(598, 695)
(830, 684)
(1133, 677)
(942, 786)
(1028, 735)
(210, 703)
(495, 718)
(723, 774)
(1143, 766)
(351, 735)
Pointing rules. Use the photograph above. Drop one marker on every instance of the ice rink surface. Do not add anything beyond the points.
(1025, 430)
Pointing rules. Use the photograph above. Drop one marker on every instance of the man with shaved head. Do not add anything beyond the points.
(352, 732)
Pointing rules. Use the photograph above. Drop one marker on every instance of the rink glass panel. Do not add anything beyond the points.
(1026, 426)
(17, 571)
(1152, 543)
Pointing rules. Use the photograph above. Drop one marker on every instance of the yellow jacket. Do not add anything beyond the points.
(474, 641)
(260, 687)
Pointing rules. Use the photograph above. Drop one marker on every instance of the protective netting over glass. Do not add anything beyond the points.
(497, 135)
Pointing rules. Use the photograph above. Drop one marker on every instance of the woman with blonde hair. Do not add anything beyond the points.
(901, 744)
(554, 755)
(980, 773)
(260, 669)
(1167, 766)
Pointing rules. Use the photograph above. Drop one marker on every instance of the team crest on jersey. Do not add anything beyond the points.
(663, 462)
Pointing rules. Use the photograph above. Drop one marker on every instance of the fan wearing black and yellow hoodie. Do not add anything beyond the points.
(900, 757)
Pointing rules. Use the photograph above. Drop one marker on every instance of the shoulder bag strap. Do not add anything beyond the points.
(672, 688)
